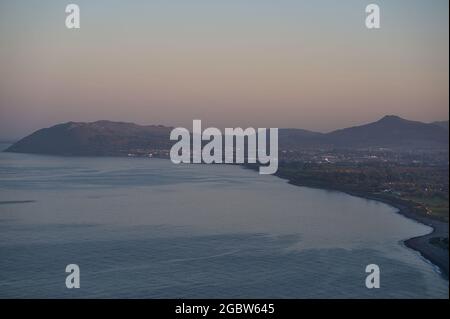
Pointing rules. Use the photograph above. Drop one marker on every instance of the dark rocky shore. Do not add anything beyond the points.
(436, 255)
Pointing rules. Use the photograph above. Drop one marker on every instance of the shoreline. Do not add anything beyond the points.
(438, 257)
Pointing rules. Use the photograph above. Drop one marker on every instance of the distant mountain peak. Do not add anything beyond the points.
(391, 118)
(391, 131)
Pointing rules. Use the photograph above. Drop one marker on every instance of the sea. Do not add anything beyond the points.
(147, 228)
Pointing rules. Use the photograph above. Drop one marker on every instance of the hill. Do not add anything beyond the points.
(391, 132)
(101, 138)
(106, 138)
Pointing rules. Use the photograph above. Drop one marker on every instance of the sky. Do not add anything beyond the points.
(259, 63)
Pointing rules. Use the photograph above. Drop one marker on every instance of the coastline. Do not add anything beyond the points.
(437, 256)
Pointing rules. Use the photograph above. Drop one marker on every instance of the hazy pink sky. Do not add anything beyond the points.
(260, 63)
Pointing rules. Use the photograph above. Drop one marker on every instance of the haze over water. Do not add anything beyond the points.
(145, 228)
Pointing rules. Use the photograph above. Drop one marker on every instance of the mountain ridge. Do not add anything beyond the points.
(103, 137)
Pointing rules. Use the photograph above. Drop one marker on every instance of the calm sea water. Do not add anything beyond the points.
(146, 228)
